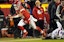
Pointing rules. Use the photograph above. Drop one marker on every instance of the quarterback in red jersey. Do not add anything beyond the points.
(26, 19)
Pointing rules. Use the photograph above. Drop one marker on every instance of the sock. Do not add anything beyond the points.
(38, 28)
(21, 28)
(24, 31)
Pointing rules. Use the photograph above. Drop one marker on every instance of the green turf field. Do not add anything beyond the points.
(28, 40)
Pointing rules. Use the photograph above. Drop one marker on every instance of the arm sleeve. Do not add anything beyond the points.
(34, 13)
(57, 12)
(16, 16)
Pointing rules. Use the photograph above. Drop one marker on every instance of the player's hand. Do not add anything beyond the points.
(6, 17)
(11, 17)
(26, 22)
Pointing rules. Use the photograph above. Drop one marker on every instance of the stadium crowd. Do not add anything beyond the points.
(28, 18)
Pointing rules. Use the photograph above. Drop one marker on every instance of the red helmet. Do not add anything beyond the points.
(15, 1)
(17, 4)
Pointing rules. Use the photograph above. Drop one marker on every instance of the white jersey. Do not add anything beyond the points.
(61, 34)
(55, 33)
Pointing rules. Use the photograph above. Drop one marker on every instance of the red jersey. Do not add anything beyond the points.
(25, 14)
(38, 13)
(47, 17)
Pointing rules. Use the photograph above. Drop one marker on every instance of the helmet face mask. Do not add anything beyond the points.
(17, 4)
(16, 7)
